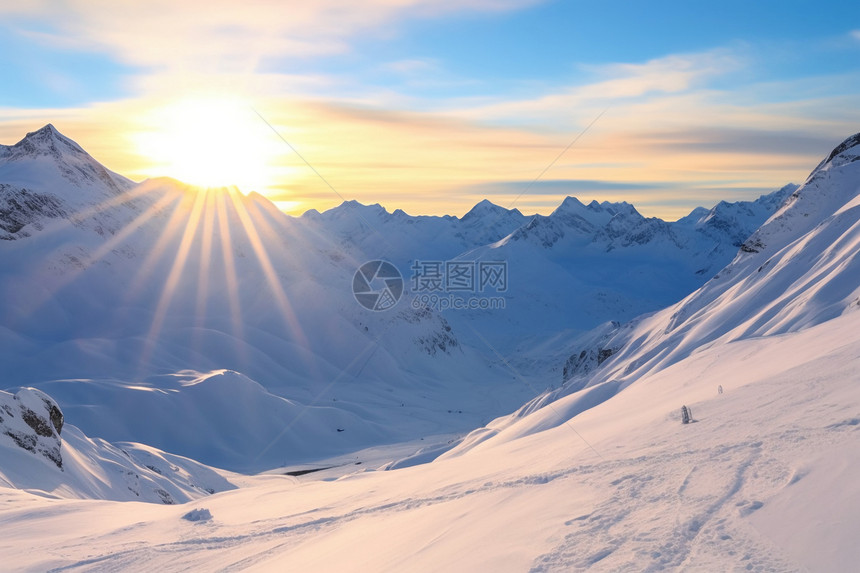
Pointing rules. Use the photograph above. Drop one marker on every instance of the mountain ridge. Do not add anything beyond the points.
(181, 281)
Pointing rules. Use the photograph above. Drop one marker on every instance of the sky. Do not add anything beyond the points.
(433, 105)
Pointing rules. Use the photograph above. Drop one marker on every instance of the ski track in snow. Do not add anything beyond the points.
(620, 532)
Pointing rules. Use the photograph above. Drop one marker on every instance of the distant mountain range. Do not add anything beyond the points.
(650, 395)
(116, 295)
(799, 269)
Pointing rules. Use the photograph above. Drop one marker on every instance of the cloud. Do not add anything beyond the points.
(411, 66)
(614, 84)
(564, 187)
(665, 153)
(668, 129)
(222, 35)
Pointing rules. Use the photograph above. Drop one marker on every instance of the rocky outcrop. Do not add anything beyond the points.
(33, 421)
(20, 207)
(594, 352)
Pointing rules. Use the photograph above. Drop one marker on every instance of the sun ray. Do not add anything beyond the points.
(281, 300)
(205, 258)
(131, 227)
(140, 190)
(105, 248)
(173, 277)
(178, 219)
(272, 239)
(203, 269)
(229, 266)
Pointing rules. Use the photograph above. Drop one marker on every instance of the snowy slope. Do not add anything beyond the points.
(43, 455)
(750, 485)
(801, 268)
(112, 287)
(127, 287)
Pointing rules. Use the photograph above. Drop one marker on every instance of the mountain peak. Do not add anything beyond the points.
(570, 202)
(486, 207)
(849, 143)
(839, 156)
(44, 141)
(573, 206)
(47, 130)
(46, 175)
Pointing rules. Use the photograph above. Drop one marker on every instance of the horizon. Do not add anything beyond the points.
(392, 209)
(430, 107)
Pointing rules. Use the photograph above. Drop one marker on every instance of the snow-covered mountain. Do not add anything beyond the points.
(799, 269)
(111, 297)
(585, 265)
(48, 176)
(577, 268)
(598, 474)
(111, 287)
(41, 453)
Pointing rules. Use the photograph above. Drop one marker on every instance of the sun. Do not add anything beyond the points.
(212, 142)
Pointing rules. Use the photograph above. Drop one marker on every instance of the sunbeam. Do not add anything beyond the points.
(173, 277)
(281, 300)
(229, 266)
(205, 259)
(142, 190)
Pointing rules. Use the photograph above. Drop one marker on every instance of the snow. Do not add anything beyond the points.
(107, 309)
(658, 495)
(413, 439)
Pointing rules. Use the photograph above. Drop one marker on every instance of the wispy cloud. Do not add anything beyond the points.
(223, 35)
(616, 83)
(411, 66)
(671, 129)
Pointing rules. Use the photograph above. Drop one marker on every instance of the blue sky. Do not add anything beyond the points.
(431, 105)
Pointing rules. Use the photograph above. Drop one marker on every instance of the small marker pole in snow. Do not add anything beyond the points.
(686, 415)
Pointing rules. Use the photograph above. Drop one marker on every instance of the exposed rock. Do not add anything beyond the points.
(33, 421)
(20, 207)
(595, 352)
